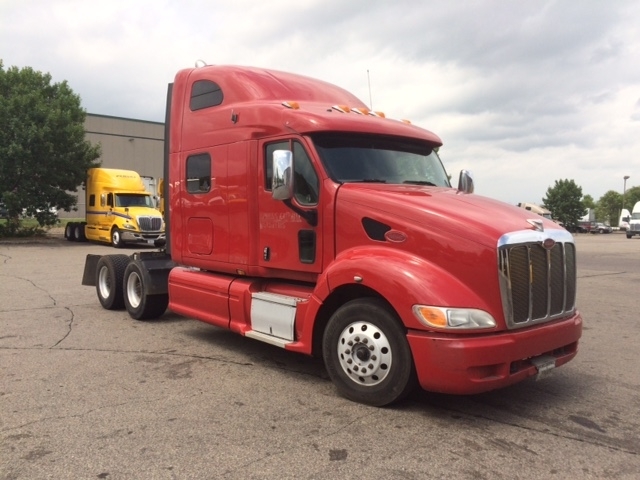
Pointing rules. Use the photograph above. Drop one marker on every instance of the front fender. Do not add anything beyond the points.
(402, 278)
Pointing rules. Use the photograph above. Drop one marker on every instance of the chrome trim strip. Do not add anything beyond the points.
(532, 236)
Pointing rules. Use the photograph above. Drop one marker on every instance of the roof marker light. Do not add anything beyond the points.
(377, 114)
(342, 108)
(291, 105)
(360, 110)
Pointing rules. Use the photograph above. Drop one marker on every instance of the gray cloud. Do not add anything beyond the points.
(549, 88)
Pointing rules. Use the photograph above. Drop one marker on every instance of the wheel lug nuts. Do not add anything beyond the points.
(355, 369)
(347, 351)
(357, 339)
(371, 347)
(350, 343)
(349, 361)
(371, 366)
(365, 340)
(374, 358)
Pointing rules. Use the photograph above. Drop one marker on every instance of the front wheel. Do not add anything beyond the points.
(366, 353)
(138, 302)
(116, 238)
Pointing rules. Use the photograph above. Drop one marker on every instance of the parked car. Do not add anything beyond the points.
(601, 228)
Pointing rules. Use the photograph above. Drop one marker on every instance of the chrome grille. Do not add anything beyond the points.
(538, 284)
(150, 224)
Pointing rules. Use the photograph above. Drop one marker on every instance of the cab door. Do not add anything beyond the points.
(288, 241)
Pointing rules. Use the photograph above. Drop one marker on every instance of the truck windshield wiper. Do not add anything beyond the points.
(420, 182)
(369, 180)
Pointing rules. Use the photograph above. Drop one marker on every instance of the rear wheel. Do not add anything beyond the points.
(79, 232)
(109, 276)
(70, 231)
(116, 238)
(366, 353)
(139, 304)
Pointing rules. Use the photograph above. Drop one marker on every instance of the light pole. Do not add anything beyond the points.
(624, 189)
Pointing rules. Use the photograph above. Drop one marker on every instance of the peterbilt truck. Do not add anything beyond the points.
(119, 210)
(298, 217)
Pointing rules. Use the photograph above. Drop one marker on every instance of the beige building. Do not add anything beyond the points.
(126, 143)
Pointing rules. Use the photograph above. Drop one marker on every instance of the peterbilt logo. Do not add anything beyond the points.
(536, 224)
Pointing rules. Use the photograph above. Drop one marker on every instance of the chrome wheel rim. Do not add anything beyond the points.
(104, 283)
(364, 353)
(134, 290)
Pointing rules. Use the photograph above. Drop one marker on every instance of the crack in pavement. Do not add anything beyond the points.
(69, 328)
(89, 412)
(543, 432)
(607, 274)
(55, 302)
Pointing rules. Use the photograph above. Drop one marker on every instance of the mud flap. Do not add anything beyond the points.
(89, 275)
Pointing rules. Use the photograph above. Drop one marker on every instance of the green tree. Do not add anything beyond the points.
(631, 197)
(588, 201)
(564, 200)
(43, 152)
(608, 208)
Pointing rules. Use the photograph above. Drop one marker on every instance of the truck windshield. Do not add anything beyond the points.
(358, 158)
(133, 200)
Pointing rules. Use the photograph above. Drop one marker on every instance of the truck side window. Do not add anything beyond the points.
(110, 200)
(306, 180)
(92, 200)
(205, 94)
(199, 173)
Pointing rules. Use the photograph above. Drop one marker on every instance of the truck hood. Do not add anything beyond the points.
(474, 217)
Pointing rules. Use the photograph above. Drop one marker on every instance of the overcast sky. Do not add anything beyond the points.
(522, 93)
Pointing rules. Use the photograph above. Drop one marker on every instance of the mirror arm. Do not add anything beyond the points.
(311, 216)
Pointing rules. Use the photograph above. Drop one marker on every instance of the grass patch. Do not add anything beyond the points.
(29, 227)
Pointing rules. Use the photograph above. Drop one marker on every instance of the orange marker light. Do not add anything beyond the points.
(433, 316)
(342, 108)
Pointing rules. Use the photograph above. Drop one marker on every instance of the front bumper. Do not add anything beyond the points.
(462, 364)
(147, 237)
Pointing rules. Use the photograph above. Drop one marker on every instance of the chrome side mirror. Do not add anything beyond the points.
(465, 182)
(282, 181)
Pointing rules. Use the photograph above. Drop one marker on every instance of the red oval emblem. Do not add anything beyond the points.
(548, 243)
(395, 236)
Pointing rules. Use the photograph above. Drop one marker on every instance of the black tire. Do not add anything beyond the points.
(367, 355)
(109, 276)
(139, 304)
(70, 231)
(116, 238)
(629, 236)
(79, 232)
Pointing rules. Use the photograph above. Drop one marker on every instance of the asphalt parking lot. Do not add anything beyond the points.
(88, 393)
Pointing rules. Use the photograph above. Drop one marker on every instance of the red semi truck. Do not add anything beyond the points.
(299, 218)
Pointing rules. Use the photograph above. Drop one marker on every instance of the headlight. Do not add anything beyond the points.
(453, 318)
(128, 226)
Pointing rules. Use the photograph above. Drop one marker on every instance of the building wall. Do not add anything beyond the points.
(126, 143)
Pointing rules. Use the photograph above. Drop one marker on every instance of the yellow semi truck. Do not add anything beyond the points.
(119, 210)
